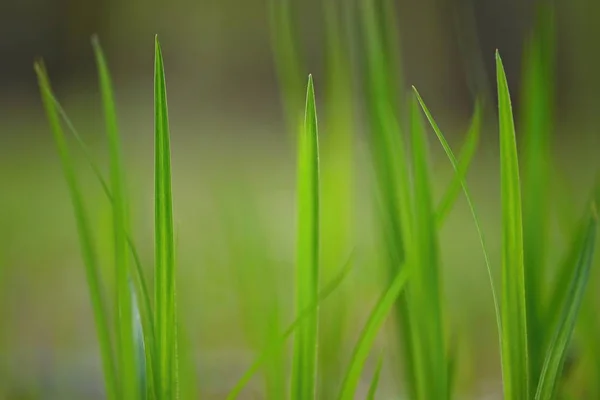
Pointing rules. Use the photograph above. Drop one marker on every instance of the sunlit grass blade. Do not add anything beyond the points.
(452, 158)
(537, 117)
(307, 253)
(514, 304)
(85, 238)
(164, 294)
(375, 380)
(275, 345)
(558, 346)
(126, 341)
(368, 334)
(465, 158)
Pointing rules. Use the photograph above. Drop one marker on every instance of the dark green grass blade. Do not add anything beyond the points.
(468, 197)
(557, 349)
(375, 380)
(126, 340)
(85, 237)
(426, 284)
(164, 300)
(537, 117)
(276, 345)
(141, 287)
(465, 158)
(514, 313)
(307, 253)
(368, 334)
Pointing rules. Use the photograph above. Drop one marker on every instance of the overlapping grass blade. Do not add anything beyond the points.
(275, 346)
(375, 380)
(537, 117)
(126, 341)
(514, 304)
(164, 300)
(85, 238)
(307, 253)
(467, 193)
(369, 333)
(557, 349)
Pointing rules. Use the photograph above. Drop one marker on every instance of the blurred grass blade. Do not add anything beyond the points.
(276, 345)
(307, 253)
(368, 335)
(514, 304)
(375, 380)
(464, 162)
(164, 301)
(557, 349)
(125, 339)
(85, 237)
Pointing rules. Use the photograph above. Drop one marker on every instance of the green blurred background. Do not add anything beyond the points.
(228, 129)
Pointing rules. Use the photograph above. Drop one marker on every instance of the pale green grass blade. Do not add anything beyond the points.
(514, 304)
(276, 345)
(537, 117)
(369, 333)
(467, 193)
(307, 253)
(465, 158)
(126, 340)
(85, 238)
(426, 282)
(164, 294)
(375, 380)
(557, 349)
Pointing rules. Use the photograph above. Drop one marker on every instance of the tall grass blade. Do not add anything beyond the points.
(375, 380)
(557, 349)
(307, 253)
(86, 241)
(164, 294)
(126, 341)
(514, 302)
(368, 334)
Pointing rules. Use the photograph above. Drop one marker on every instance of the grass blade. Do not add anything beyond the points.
(514, 303)
(557, 349)
(126, 341)
(307, 256)
(368, 335)
(85, 237)
(164, 300)
(375, 380)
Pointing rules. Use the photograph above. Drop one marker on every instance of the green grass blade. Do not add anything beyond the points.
(126, 340)
(85, 237)
(164, 301)
(557, 349)
(426, 282)
(514, 304)
(465, 158)
(467, 193)
(375, 380)
(276, 345)
(307, 253)
(368, 335)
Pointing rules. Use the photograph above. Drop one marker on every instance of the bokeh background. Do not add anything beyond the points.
(228, 129)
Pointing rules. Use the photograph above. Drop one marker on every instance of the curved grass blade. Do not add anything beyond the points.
(514, 302)
(164, 301)
(85, 237)
(557, 350)
(375, 380)
(368, 335)
(307, 253)
(465, 158)
(126, 341)
(275, 346)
